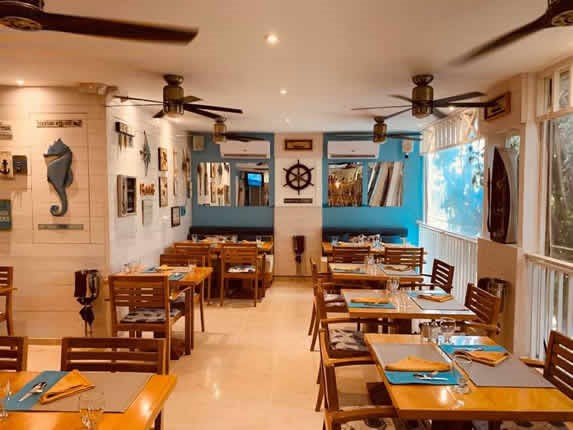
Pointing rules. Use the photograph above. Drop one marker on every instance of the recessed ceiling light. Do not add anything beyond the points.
(283, 91)
(19, 82)
(272, 39)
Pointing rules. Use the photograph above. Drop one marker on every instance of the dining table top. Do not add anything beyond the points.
(407, 310)
(217, 246)
(327, 247)
(365, 272)
(140, 415)
(442, 403)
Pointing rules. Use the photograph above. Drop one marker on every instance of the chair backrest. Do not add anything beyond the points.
(408, 256)
(559, 362)
(485, 305)
(245, 254)
(136, 292)
(442, 274)
(13, 353)
(316, 275)
(192, 249)
(181, 260)
(113, 354)
(6, 277)
(350, 254)
(328, 374)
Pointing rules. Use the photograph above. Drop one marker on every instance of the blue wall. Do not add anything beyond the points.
(205, 216)
(367, 217)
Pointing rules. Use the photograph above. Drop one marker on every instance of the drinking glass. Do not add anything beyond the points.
(464, 364)
(393, 284)
(404, 241)
(448, 328)
(259, 240)
(403, 298)
(334, 240)
(194, 238)
(91, 405)
(5, 393)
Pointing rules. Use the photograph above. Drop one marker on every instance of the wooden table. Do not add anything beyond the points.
(139, 416)
(372, 272)
(443, 405)
(216, 247)
(377, 251)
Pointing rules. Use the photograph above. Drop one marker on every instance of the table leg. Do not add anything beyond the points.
(201, 307)
(404, 326)
(452, 425)
(189, 325)
(209, 289)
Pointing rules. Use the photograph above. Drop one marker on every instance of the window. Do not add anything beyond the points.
(454, 188)
(559, 242)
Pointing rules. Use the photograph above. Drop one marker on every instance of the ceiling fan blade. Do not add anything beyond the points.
(439, 113)
(356, 134)
(215, 108)
(470, 104)
(191, 99)
(380, 107)
(403, 137)
(115, 29)
(238, 136)
(407, 99)
(405, 133)
(513, 36)
(125, 98)
(397, 113)
(159, 114)
(139, 105)
(464, 96)
(202, 112)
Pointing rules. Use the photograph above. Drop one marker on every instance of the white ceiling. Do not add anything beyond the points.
(333, 55)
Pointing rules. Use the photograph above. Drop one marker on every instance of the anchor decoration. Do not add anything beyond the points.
(59, 159)
(146, 153)
(6, 170)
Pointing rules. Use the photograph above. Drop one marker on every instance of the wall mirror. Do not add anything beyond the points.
(385, 183)
(252, 184)
(344, 184)
(214, 184)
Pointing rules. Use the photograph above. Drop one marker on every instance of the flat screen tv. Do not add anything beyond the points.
(255, 179)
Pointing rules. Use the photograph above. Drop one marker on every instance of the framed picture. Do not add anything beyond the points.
(147, 212)
(163, 196)
(213, 193)
(175, 216)
(162, 156)
(5, 215)
(298, 144)
(501, 108)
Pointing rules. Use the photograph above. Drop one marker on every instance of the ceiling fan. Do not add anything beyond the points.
(559, 13)
(221, 135)
(423, 104)
(380, 132)
(175, 103)
(29, 15)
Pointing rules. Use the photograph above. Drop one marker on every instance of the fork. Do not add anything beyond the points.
(36, 389)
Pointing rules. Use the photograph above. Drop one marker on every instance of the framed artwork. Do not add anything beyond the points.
(163, 196)
(213, 170)
(175, 216)
(162, 156)
(501, 107)
(298, 144)
(5, 215)
(213, 193)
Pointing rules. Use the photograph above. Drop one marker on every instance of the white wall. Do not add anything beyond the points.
(130, 240)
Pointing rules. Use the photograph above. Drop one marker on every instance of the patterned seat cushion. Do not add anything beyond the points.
(333, 297)
(149, 315)
(347, 340)
(178, 303)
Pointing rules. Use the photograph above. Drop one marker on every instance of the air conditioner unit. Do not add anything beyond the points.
(350, 149)
(254, 149)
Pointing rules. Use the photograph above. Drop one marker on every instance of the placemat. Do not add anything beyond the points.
(152, 269)
(428, 305)
(371, 305)
(436, 292)
(408, 378)
(398, 273)
(50, 377)
(176, 276)
(347, 268)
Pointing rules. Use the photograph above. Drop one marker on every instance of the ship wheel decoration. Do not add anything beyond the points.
(298, 177)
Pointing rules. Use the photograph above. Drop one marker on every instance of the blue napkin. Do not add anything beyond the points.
(50, 376)
(176, 276)
(372, 305)
(408, 378)
(151, 269)
(450, 349)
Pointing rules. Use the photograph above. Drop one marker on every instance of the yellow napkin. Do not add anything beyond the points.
(73, 383)
(415, 364)
(370, 300)
(439, 298)
(397, 268)
(491, 358)
(164, 268)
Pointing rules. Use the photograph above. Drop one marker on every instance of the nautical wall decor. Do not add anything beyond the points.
(20, 163)
(59, 123)
(126, 195)
(6, 165)
(162, 155)
(125, 134)
(163, 196)
(146, 153)
(298, 177)
(5, 131)
(59, 160)
(5, 215)
(147, 189)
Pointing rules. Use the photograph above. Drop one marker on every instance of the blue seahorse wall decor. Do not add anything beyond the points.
(59, 159)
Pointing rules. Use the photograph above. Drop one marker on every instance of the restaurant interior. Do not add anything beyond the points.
(261, 214)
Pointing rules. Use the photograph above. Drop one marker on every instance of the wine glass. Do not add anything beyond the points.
(448, 328)
(393, 284)
(194, 238)
(259, 240)
(464, 364)
(5, 393)
(91, 405)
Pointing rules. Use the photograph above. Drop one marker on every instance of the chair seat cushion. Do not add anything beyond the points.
(328, 297)
(149, 315)
(246, 268)
(178, 303)
(347, 339)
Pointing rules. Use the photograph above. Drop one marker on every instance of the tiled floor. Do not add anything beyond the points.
(251, 369)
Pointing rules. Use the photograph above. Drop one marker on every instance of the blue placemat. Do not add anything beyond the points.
(50, 376)
(372, 305)
(408, 378)
(151, 269)
(176, 276)
(427, 292)
(351, 272)
(450, 349)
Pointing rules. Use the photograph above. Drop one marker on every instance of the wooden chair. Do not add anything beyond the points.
(350, 254)
(6, 290)
(197, 250)
(180, 260)
(147, 299)
(13, 353)
(411, 257)
(115, 354)
(442, 276)
(487, 307)
(234, 257)
(336, 414)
